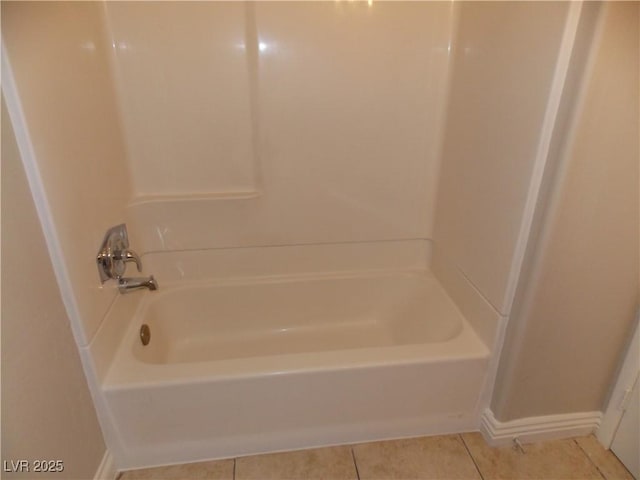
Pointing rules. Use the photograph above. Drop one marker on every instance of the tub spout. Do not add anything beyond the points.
(126, 284)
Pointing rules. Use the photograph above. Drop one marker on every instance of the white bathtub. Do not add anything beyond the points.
(270, 364)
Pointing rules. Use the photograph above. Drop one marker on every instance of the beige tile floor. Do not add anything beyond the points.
(446, 457)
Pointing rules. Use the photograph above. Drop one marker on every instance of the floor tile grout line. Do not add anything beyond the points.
(466, 447)
(589, 458)
(355, 464)
(584, 452)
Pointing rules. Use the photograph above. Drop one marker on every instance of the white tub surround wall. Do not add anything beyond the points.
(582, 286)
(346, 115)
(185, 78)
(255, 262)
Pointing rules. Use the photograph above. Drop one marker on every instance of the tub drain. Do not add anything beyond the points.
(145, 334)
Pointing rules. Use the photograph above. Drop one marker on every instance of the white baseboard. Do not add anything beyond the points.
(535, 429)
(107, 468)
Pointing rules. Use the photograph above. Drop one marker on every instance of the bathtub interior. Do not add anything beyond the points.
(255, 318)
(210, 308)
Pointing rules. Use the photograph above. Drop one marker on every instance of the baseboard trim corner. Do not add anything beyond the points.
(535, 429)
(107, 469)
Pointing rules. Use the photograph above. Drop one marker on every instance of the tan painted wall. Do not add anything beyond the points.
(47, 411)
(574, 313)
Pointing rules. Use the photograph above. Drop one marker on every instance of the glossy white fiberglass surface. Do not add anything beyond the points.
(328, 111)
(184, 90)
(504, 62)
(217, 322)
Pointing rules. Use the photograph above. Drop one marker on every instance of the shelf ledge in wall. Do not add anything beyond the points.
(186, 197)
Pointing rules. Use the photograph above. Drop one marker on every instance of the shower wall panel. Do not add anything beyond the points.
(504, 63)
(182, 70)
(281, 123)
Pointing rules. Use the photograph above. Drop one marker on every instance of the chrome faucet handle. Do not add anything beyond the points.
(114, 254)
(115, 240)
(131, 256)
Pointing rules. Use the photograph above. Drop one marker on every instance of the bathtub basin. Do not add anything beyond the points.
(307, 315)
(268, 364)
